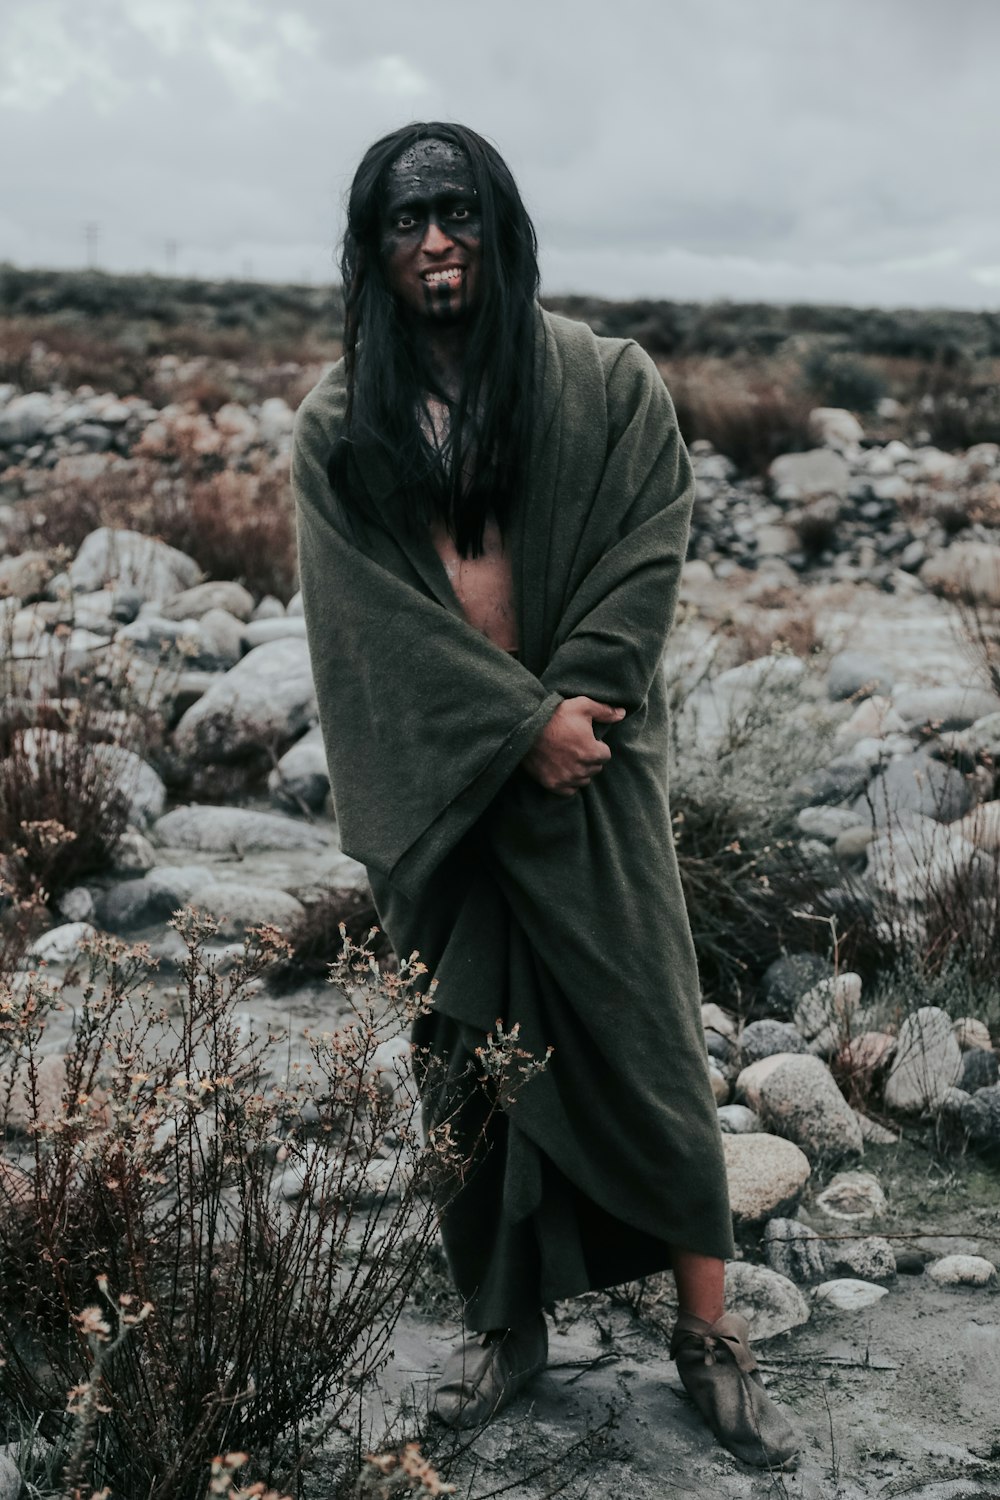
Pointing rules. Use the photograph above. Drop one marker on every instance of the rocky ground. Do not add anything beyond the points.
(869, 1272)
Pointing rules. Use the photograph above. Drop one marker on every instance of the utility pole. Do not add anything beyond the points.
(170, 250)
(91, 235)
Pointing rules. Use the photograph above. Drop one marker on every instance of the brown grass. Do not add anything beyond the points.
(751, 414)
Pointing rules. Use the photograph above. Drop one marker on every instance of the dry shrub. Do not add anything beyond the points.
(750, 415)
(314, 937)
(793, 630)
(242, 526)
(262, 1233)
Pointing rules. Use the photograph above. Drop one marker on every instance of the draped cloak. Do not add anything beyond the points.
(563, 914)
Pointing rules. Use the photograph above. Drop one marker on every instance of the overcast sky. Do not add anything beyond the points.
(825, 150)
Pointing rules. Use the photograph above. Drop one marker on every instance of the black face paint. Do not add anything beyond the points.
(431, 238)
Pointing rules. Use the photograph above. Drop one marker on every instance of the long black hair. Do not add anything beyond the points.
(483, 464)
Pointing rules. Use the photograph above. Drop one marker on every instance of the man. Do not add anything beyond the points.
(493, 509)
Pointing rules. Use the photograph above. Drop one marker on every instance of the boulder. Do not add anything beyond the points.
(736, 1119)
(846, 1294)
(834, 427)
(789, 977)
(962, 1270)
(857, 674)
(714, 1018)
(766, 1176)
(981, 825)
(915, 784)
(235, 904)
(797, 1097)
(980, 1070)
(970, 1031)
(969, 568)
(770, 1303)
(801, 476)
(130, 559)
(258, 632)
(242, 830)
(927, 1062)
(980, 1116)
(301, 778)
(875, 718)
(911, 858)
(794, 1250)
(267, 699)
(831, 1002)
(60, 945)
(219, 593)
(829, 822)
(25, 575)
(869, 1258)
(944, 708)
(24, 419)
(851, 1196)
(764, 1038)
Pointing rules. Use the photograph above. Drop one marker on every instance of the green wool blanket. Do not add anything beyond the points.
(565, 915)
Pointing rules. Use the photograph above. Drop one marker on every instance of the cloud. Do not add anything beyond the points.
(701, 148)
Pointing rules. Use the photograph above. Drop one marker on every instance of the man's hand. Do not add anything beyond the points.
(567, 755)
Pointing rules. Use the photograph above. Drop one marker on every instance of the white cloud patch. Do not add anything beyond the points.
(396, 78)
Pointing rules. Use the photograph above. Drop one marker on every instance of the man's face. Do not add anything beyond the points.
(432, 232)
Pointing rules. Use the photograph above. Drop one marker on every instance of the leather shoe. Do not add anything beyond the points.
(719, 1372)
(486, 1372)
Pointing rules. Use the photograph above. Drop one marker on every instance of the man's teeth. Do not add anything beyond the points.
(435, 276)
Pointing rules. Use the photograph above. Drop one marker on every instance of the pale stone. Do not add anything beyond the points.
(832, 1001)
(981, 826)
(970, 1032)
(869, 1257)
(720, 1085)
(820, 471)
(834, 427)
(60, 945)
(713, 1018)
(962, 1270)
(849, 1295)
(928, 1061)
(267, 698)
(873, 718)
(797, 1096)
(794, 1250)
(874, 1133)
(218, 593)
(766, 1175)
(770, 1303)
(259, 632)
(132, 560)
(234, 829)
(970, 567)
(301, 778)
(736, 1119)
(852, 1196)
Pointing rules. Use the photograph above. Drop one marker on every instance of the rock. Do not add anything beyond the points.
(981, 825)
(971, 1032)
(915, 783)
(851, 847)
(764, 1038)
(301, 778)
(952, 1103)
(796, 1095)
(874, 718)
(927, 1061)
(766, 1176)
(60, 945)
(914, 856)
(136, 780)
(849, 1295)
(831, 783)
(828, 822)
(269, 608)
(392, 1067)
(794, 1250)
(720, 1085)
(235, 904)
(980, 1116)
(24, 418)
(268, 698)
(770, 1303)
(76, 905)
(25, 576)
(870, 1258)
(832, 1002)
(295, 605)
(969, 568)
(863, 1056)
(220, 593)
(852, 1196)
(962, 1270)
(224, 830)
(131, 560)
(944, 708)
(736, 1119)
(10, 1476)
(258, 632)
(787, 978)
(799, 476)
(910, 1263)
(857, 674)
(15, 1101)
(833, 427)
(713, 1018)
(980, 1070)
(873, 1132)
(275, 419)
(133, 854)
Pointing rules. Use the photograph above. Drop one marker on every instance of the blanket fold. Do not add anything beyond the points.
(564, 914)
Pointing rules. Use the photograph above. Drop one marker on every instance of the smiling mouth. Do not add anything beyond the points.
(450, 276)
